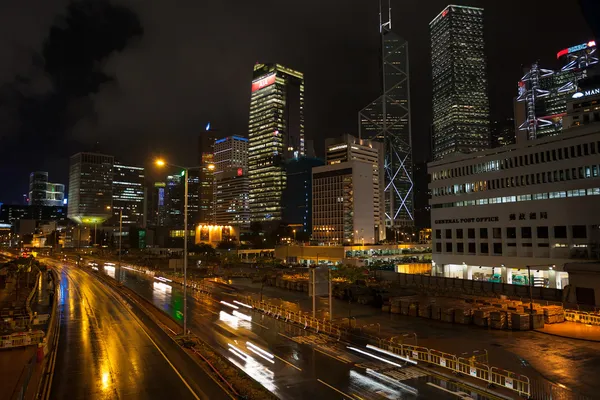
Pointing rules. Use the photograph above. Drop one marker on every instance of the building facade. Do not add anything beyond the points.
(156, 204)
(231, 193)
(297, 195)
(174, 201)
(342, 209)
(230, 154)
(90, 188)
(10, 213)
(461, 113)
(529, 204)
(349, 148)
(503, 132)
(232, 206)
(276, 134)
(128, 195)
(545, 92)
(388, 121)
(205, 212)
(44, 193)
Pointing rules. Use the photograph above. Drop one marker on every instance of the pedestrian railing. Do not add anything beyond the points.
(458, 365)
(21, 339)
(582, 317)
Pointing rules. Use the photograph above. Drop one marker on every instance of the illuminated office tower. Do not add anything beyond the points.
(231, 181)
(44, 193)
(349, 148)
(90, 188)
(203, 182)
(461, 112)
(128, 195)
(276, 134)
(388, 120)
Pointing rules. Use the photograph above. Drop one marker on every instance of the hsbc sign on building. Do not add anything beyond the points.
(263, 82)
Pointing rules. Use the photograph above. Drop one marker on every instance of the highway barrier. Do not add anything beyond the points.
(458, 365)
(21, 339)
(583, 317)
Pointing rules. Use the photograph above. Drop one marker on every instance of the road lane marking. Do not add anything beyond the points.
(155, 345)
(332, 356)
(462, 395)
(337, 390)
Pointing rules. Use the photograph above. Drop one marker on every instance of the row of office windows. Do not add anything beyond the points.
(484, 248)
(584, 172)
(563, 153)
(522, 197)
(526, 232)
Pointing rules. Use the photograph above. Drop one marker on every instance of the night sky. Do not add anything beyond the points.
(142, 77)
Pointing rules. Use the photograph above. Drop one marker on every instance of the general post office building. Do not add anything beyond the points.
(535, 203)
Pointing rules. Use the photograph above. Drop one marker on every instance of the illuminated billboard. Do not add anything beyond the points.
(573, 49)
(263, 82)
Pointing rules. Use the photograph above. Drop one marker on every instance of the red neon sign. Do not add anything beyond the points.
(240, 172)
(264, 82)
(445, 12)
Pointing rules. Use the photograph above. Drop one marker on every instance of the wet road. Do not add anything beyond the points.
(293, 363)
(105, 352)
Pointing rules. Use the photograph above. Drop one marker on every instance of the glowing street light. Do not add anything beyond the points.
(185, 174)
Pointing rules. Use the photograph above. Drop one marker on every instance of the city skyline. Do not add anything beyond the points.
(52, 142)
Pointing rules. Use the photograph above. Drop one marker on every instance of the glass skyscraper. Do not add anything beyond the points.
(276, 134)
(387, 120)
(44, 193)
(90, 188)
(461, 114)
(128, 195)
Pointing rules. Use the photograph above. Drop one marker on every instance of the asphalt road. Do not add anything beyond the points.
(303, 365)
(106, 352)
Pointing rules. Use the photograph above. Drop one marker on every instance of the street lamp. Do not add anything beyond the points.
(294, 234)
(186, 171)
(120, 234)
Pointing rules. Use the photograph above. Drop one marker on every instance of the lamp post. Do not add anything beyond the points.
(120, 236)
(186, 171)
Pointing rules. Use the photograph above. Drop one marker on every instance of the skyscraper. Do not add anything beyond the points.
(503, 132)
(342, 203)
(297, 195)
(461, 115)
(230, 153)
(205, 187)
(231, 201)
(128, 194)
(90, 188)
(276, 134)
(174, 201)
(349, 148)
(44, 193)
(156, 209)
(388, 120)
(545, 92)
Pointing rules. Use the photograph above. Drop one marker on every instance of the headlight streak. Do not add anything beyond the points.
(229, 305)
(242, 316)
(389, 353)
(260, 352)
(374, 356)
(391, 381)
(242, 304)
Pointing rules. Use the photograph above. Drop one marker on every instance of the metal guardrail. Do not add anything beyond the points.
(458, 365)
(21, 339)
(583, 317)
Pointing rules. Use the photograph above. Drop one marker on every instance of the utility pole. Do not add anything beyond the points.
(120, 239)
(330, 297)
(185, 248)
(530, 297)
